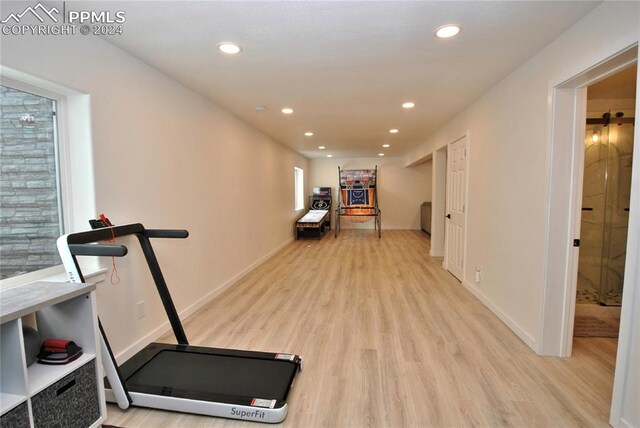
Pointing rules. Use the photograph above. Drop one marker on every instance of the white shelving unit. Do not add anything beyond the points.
(41, 376)
(30, 395)
(13, 386)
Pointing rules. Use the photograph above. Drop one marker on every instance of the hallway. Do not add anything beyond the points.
(390, 339)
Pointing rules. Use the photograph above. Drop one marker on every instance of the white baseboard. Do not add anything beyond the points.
(519, 331)
(621, 423)
(189, 310)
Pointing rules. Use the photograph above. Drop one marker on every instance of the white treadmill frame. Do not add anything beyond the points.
(124, 398)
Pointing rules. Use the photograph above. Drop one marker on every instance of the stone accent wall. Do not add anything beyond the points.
(29, 218)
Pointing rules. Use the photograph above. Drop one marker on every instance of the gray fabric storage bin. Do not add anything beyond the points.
(70, 402)
(18, 417)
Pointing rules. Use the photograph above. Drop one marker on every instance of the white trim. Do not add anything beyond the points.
(513, 325)
(438, 201)
(557, 233)
(465, 208)
(298, 188)
(621, 423)
(445, 259)
(35, 82)
(61, 144)
(70, 166)
(130, 351)
(74, 140)
(566, 138)
(575, 210)
(61, 148)
(626, 385)
(27, 278)
(52, 274)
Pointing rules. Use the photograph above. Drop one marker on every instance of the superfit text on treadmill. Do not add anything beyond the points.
(244, 414)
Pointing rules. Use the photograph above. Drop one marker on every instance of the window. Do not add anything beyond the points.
(298, 176)
(30, 199)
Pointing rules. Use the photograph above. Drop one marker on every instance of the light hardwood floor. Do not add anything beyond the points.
(390, 339)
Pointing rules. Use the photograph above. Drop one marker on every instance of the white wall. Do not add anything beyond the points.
(167, 157)
(439, 204)
(508, 165)
(401, 189)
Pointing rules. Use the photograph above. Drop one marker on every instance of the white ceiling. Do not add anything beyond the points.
(345, 67)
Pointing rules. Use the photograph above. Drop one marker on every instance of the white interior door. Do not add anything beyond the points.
(455, 217)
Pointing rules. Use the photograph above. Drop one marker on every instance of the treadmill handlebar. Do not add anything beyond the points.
(109, 233)
(166, 233)
(98, 250)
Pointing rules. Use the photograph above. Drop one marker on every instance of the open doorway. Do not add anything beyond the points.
(564, 218)
(449, 198)
(606, 191)
(564, 209)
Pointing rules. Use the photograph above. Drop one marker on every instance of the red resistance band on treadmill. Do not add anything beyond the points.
(115, 278)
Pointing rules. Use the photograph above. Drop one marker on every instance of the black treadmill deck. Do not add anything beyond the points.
(183, 378)
(211, 374)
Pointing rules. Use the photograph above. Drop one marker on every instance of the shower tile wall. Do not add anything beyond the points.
(591, 229)
(617, 214)
(605, 215)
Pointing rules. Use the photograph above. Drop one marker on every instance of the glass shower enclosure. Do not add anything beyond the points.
(605, 206)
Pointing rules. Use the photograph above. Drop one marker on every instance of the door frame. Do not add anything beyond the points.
(564, 202)
(445, 263)
(438, 201)
(566, 118)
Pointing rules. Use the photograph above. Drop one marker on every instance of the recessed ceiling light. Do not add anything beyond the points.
(329, 156)
(447, 31)
(309, 134)
(380, 154)
(393, 131)
(386, 145)
(229, 48)
(260, 107)
(321, 147)
(287, 110)
(408, 104)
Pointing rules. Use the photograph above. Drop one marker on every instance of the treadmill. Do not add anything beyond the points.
(227, 383)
